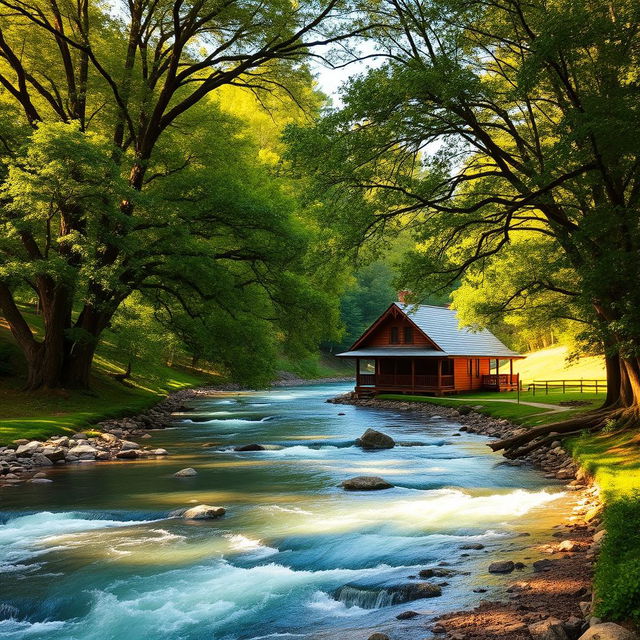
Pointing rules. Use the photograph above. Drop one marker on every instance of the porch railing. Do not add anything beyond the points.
(404, 380)
(501, 381)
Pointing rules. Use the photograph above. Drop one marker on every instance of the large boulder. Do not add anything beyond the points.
(372, 439)
(379, 636)
(549, 629)
(249, 447)
(365, 483)
(608, 631)
(200, 512)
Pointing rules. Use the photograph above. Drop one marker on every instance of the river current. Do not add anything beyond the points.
(93, 556)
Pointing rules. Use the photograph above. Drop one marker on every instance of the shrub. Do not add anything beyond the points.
(617, 579)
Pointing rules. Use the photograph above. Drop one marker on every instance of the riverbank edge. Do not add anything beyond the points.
(534, 609)
(113, 439)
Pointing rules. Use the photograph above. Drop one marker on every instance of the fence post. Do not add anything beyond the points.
(596, 387)
(563, 386)
(581, 382)
(546, 387)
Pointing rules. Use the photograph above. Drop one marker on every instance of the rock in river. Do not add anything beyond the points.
(186, 473)
(365, 483)
(201, 512)
(372, 439)
(249, 447)
(502, 566)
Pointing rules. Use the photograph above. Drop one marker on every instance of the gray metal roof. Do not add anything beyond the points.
(395, 351)
(441, 325)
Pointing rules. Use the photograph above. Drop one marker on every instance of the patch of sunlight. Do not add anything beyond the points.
(378, 470)
(179, 499)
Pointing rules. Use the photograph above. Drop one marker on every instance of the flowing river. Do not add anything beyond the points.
(92, 556)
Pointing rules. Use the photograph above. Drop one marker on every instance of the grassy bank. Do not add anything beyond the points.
(41, 414)
(613, 459)
(504, 405)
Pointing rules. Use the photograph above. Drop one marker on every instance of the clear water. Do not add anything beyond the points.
(92, 556)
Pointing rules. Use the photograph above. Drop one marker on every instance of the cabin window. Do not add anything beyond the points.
(447, 367)
(394, 337)
(367, 366)
(408, 335)
(477, 367)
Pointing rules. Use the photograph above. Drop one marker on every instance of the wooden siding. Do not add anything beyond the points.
(464, 381)
(381, 336)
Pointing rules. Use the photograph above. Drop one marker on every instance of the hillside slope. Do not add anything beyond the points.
(551, 364)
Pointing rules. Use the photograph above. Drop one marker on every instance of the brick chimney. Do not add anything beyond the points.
(403, 296)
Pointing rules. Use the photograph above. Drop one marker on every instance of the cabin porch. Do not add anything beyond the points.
(404, 375)
(428, 376)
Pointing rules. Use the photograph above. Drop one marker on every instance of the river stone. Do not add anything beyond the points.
(502, 566)
(549, 629)
(608, 631)
(378, 636)
(109, 438)
(372, 439)
(543, 565)
(54, 453)
(127, 444)
(159, 452)
(83, 451)
(418, 590)
(39, 481)
(436, 573)
(62, 441)
(29, 448)
(365, 483)
(568, 545)
(41, 460)
(476, 546)
(249, 447)
(128, 454)
(20, 441)
(200, 512)
(185, 473)
(407, 615)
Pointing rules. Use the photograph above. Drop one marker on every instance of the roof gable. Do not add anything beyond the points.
(440, 327)
(391, 314)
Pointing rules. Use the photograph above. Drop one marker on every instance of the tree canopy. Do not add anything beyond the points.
(488, 123)
(124, 172)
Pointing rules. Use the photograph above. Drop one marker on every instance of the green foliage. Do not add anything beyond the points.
(505, 140)
(617, 578)
(370, 293)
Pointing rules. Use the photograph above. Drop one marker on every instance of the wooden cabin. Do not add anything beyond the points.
(421, 349)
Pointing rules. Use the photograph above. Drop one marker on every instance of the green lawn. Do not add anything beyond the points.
(484, 402)
(41, 414)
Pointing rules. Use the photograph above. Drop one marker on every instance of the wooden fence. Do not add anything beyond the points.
(567, 385)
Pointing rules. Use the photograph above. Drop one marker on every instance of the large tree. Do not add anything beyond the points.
(102, 107)
(486, 119)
